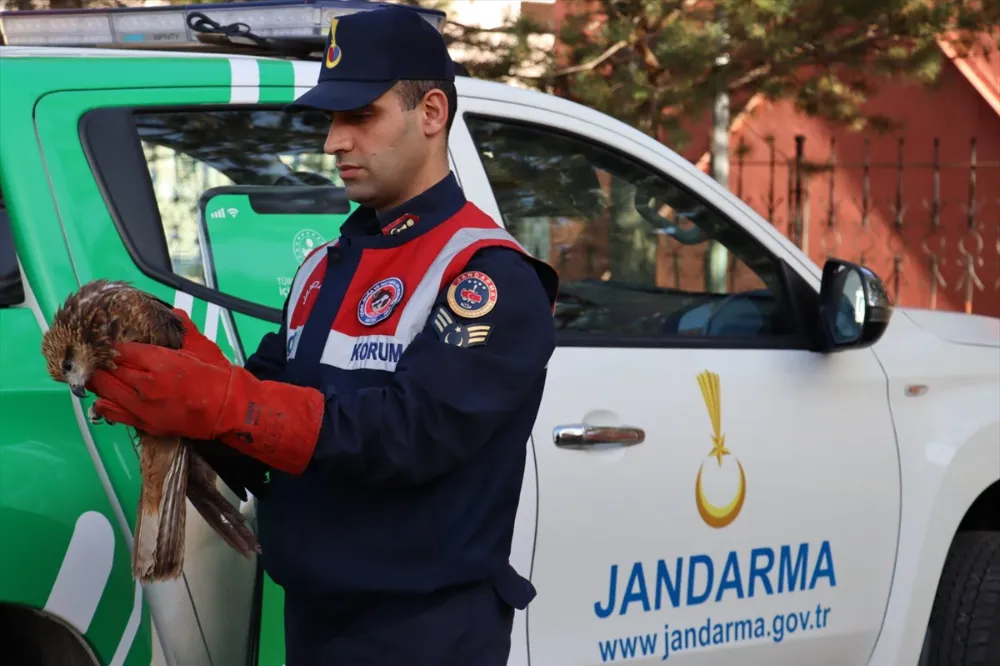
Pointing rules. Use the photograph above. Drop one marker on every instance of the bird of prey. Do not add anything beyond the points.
(80, 341)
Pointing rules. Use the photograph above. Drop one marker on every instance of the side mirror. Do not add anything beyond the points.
(854, 306)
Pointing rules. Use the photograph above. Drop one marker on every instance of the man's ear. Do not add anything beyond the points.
(435, 117)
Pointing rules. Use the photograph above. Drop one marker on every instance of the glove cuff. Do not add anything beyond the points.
(274, 422)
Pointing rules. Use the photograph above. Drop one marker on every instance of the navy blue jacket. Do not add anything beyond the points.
(414, 482)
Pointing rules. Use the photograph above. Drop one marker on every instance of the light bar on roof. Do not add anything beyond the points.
(163, 27)
(30, 28)
(167, 26)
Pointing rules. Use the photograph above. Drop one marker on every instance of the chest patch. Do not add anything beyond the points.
(472, 294)
(380, 300)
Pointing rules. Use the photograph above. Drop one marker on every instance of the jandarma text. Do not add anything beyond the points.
(672, 640)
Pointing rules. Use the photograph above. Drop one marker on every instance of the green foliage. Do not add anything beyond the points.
(655, 64)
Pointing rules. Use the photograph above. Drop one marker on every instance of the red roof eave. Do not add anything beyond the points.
(977, 69)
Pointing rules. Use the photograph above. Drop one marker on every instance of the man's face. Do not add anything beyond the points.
(380, 150)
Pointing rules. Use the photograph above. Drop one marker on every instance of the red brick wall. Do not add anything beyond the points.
(954, 113)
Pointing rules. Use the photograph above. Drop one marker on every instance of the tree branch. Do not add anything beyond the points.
(584, 67)
(788, 66)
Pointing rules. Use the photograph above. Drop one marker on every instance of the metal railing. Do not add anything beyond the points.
(929, 226)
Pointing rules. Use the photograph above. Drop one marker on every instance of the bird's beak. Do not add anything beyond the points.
(78, 390)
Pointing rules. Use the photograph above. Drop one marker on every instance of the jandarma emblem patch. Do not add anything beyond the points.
(380, 299)
(472, 294)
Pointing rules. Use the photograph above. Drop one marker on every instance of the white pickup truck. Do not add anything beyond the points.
(783, 471)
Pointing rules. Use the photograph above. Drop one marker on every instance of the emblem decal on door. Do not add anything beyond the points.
(304, 242)
(700, 580)
(718, 515)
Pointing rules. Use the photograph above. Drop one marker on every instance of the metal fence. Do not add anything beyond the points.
(927, 221)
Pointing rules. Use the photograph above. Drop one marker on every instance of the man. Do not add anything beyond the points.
(394, 404)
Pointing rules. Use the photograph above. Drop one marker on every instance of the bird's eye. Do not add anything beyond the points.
(67, 366)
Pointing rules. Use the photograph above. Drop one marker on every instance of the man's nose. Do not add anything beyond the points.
(338, 140)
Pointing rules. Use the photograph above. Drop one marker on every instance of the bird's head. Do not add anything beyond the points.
(75, 346)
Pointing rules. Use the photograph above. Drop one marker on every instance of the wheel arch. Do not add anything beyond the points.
(948, 485)
(43, 638)
(984, 512)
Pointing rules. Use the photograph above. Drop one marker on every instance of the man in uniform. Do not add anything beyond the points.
(394, 403)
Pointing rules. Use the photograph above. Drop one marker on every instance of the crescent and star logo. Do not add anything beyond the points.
(333, 51)
(713, 515)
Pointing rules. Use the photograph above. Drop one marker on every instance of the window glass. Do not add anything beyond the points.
(244, 195)
(638, 256)
(253, 184)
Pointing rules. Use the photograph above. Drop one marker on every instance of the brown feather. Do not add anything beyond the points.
(81, 340)
(217, 511)
(160, 523)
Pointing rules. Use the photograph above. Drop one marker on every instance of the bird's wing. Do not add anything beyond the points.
(137, 316)
(159, 529)
(238, 471)
(217, 511)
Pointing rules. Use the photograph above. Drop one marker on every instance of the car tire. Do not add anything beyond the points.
(964, 628)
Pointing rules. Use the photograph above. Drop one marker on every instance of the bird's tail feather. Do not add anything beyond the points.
(217, 511)
(160, 524)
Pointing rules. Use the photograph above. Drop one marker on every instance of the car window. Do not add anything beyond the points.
(641, 259)
(251, 189)
(235, 198)
(223, 203)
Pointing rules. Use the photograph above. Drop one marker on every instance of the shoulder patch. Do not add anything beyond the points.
(472, 294)
(451, 332)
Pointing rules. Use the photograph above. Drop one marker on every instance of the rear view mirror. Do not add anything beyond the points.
(854, 306)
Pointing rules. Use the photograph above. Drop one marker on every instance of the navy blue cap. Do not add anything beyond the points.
(369, 51)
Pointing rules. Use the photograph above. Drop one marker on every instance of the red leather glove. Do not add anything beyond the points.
(199, 346)
(167, 392)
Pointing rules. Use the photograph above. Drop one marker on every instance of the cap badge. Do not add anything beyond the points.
(333, 52)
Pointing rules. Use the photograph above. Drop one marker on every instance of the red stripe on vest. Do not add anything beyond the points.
(310, 292)
(408, 262)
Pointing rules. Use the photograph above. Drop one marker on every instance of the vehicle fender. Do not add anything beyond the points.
(945, 402)
(61, 554)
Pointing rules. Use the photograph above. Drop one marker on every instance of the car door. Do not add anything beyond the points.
(208, 197)
(710, 491)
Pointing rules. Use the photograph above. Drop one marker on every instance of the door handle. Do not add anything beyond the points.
(581, 436)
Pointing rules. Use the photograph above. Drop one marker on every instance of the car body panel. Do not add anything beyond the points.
(945, 402)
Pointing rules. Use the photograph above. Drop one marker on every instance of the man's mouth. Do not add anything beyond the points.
(348, 171)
